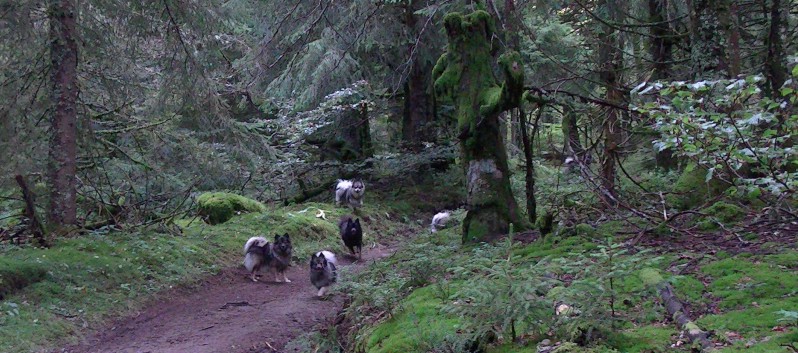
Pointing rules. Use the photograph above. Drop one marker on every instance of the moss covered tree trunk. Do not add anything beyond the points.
(464, 76)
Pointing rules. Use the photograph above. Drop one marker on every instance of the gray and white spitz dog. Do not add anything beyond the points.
(322, 271)
(350, 192)
(439, 221)
(259, 253)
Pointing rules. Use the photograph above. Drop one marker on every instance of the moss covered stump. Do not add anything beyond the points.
(463, 76)
(219, 207)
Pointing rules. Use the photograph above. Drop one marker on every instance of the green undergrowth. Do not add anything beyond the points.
(437, 295)
(52, 295)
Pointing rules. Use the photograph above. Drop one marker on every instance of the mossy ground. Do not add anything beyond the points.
(739, 294)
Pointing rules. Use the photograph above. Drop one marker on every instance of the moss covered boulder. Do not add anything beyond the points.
(218, 207)
(692, 189)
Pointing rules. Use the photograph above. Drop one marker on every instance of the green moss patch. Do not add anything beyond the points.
(722, 212)
(16, 274)
(92, 277)
(647, 339)
(219, 207)
(512, 348)
(418, 328)
(738, 282)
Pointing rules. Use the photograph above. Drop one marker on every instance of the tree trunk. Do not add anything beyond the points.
(464, 75)
(570, 131)
(732, 24)
(531, 203)
(512, 35)
(63, 140)
(610, 61)
(708, 55)
(418, 110)
(34, 225)
(774, 68)
(662, 40)
(418, 113)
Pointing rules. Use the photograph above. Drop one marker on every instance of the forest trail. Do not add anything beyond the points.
(228, 313)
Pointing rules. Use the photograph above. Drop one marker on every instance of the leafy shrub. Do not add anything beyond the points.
(730, 128)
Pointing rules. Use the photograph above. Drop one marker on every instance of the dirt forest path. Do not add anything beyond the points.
(227, 313)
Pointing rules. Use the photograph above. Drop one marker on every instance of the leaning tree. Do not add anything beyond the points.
(464, 76)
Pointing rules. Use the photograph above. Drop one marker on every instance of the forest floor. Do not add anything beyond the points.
(228, 313)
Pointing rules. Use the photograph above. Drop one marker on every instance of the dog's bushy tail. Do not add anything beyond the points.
(329, 256)
(343, 184)
(259, 241)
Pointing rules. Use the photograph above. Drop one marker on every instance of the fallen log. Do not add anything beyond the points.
(652, 279)
(306, 193)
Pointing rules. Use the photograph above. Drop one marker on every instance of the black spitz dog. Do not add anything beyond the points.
(322, 270)
(259, 252)
(352, 234)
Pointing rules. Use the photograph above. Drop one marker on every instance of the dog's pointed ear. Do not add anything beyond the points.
(276, 237)
(357, 221)
(287, 236)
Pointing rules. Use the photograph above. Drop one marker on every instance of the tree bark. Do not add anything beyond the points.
(610, 65)
(418, 111)
(708, 26)
(63, 140)
(34, 225)
(417, 114)
(774, 68)
(529, 154)
(570, 131)
(464, 75)
(662, 40)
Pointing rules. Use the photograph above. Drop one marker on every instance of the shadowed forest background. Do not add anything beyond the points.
(621, 175)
